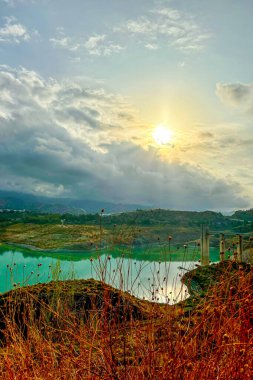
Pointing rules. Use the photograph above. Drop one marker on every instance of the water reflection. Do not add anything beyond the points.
(156, 281)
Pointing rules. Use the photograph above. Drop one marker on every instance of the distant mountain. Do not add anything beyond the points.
(20, 201)
(246, 215)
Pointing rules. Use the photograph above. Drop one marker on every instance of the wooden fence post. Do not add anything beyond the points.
(222, 247)
(234, 252)
(205, 241)
(239, 248)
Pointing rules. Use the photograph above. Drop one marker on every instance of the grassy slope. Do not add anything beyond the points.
(51, 236)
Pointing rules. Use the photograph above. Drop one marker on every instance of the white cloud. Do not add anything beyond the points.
(157, 28)
(181, 64)
(99, 45)
(14, 3)
(237, 95)
(176, 28)
(61, 138)
(65, 43)
(151, 46)
(94, 41)
(13, 32)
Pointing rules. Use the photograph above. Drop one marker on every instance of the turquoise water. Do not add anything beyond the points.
(155, 280)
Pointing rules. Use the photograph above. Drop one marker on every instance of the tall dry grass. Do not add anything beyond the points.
(48, 332)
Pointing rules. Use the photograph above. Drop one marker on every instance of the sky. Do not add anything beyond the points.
(86, 86)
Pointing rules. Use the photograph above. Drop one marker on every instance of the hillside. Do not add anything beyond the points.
(246, 215)
(136, 228)
(20, 201)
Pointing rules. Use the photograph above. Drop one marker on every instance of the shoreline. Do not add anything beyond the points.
(153, 250)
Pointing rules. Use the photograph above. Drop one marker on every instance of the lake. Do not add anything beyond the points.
(153, 274)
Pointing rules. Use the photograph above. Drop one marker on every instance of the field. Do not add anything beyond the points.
(52, 236)
(86, 237)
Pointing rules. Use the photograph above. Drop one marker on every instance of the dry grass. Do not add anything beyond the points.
(52, 236)
(88, 330)
(69, 236)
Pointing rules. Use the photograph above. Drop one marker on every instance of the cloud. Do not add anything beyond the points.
(94, 41)
(159, 27)
(61, 40)
(65, 43)
(176, 28)
(97, 45)
(237, 95)
(100, 46)
(12, 32)
(63, 139)
(14, 3)
(151, 46)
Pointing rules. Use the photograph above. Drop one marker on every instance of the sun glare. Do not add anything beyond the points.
(162, 135)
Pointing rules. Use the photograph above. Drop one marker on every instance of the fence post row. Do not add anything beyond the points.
(237, 248)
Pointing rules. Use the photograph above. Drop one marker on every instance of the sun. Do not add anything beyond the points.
(162, 135)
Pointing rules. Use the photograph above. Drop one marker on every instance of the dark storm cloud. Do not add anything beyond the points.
(52, 142)
(238, 95)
